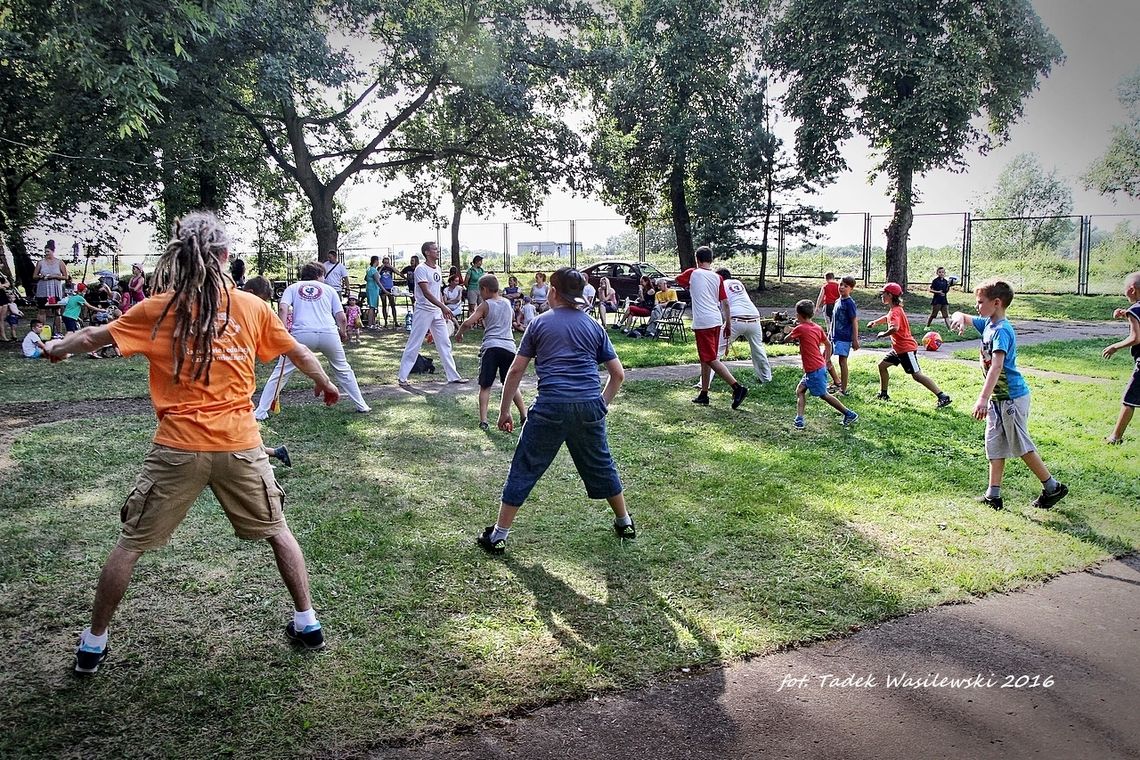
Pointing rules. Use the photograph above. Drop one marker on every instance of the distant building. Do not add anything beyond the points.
(549, 248)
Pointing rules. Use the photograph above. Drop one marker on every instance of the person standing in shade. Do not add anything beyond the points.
(319, 323)
(201, 337)
(710, 316)
(336, 276)
(744, 320)
(387, 296)
(429, 315)
(49, 274)
(471, 283)
(372, 293)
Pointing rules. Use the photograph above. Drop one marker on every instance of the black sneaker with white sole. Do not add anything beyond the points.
(311, 638)
(995, 502)
(944, 400)
(627, 532)
(88, 659)
(1047, 500)
(489, 546)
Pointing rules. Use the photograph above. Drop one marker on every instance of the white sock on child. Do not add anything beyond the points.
(302, 620)
(91, 641)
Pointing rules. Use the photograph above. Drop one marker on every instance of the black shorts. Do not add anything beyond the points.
(71, 324)
(908, 361)
(829, 309)
(494, 360)
(1132, 392)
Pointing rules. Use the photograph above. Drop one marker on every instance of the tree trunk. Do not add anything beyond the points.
(324, 224)
(762, 285)
(899, 229)
(456, 213)
(12, 229)
(679, 208)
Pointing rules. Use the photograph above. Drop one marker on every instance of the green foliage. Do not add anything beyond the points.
(1023, 189)
(1118, 170)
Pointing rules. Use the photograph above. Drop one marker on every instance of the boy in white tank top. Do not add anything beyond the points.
(498, 350)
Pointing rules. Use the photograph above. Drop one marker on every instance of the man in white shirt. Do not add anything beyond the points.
(710, 315)
(319, 324)
(429, 315)
(589, 293)
(336, 276)
(744, 319)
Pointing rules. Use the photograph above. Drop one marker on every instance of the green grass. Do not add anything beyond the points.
(752, 536)
(1074, 357)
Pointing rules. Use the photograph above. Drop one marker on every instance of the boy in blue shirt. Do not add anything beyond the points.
(844, 334)
(1004, 400)
(567, 346)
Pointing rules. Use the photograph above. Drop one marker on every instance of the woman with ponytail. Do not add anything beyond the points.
(202, 337)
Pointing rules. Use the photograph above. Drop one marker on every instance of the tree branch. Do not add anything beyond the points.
(324, 121)
(266, 138)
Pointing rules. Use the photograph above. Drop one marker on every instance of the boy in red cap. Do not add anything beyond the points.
(904, 348)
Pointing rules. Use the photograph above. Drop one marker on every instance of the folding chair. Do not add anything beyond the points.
(671, 324)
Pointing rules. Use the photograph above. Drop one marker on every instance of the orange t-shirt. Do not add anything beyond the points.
(192, 415)
(902, 342)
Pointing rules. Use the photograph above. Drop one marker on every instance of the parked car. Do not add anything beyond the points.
(626, 275)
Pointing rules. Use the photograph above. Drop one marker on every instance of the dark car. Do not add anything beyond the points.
(625, 277)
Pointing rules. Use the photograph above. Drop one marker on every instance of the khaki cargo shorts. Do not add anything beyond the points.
(171, 480)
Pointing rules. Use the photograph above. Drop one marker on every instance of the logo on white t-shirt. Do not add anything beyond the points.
(310, 292)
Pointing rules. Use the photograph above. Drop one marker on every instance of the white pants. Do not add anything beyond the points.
(424, 321)
(327, 343)
(755, 335)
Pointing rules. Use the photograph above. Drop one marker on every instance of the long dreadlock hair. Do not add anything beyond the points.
(190, 270)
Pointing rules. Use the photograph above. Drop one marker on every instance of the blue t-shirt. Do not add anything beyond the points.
(567, 346)
(845, 311)
(1134, 313)
(387, 275)
(1000, 337)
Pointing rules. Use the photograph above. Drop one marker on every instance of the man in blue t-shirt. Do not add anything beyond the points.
(567, 346)
(844, 334)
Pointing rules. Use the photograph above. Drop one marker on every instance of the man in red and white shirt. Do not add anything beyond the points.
(710, 314)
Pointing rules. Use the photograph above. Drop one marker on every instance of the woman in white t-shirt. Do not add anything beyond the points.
(453, 295)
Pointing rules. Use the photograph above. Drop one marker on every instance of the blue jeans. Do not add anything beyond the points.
(582, 426)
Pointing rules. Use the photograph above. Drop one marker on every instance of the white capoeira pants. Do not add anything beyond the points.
(327, 343)
(754, 332)
(423, 322)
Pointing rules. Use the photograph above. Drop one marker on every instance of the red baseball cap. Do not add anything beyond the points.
(81, 288)
(893, 288)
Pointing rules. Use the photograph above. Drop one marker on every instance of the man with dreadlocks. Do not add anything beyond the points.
(201, 336)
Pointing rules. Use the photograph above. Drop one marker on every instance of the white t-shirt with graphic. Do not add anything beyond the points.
(434, 281)
(739, 304)
(314, 305)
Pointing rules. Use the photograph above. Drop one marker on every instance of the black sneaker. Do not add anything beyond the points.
(738, 394)
(702, 399)
(883, 397)
(628, 532)
(87, 660)
(484, 426)
(1047, 500)
(489, 546)
(992, 501)
(311, 639)
(944, 400)
(282, 454)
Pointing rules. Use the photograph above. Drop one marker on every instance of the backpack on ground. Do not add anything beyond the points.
(423, 365)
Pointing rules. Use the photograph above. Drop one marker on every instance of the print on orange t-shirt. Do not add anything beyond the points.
(902, 342)
(192, 415)
(810, 335)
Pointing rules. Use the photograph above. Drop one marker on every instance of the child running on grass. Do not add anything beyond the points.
(498, 349)
(567, 346)
(811, 339)
(1004, 400)
(827, 298)
(844, 334)
(904, 349)
(1131, 398)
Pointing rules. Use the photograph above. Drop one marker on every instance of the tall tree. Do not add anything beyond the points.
(912, 76)
(1118, 170)
(1041, 200)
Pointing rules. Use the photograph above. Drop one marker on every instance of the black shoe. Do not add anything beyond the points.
(489, 546)
(484, 426)
(628, 532)
(1047, 500)
(992, 501)
(88, 661)
(282, 454)
(311, 639)
(738, 394)
(702, 399)
(883, 397)
(943, 400)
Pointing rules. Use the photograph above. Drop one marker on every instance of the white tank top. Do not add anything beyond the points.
(497, 325)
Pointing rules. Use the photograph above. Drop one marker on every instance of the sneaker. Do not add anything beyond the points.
(995, 502)
(627, 532)
(738, 394)
(849, 418)
(282, 454)
(799, 423)
(88, 659)
(489, 546)
(458, 381)
(702, 399)
(1047, 500)
(484, 426)
(404, 383)
(943, 400)
(310, 639)
(883, 397)
(833, 389)
(365, 410)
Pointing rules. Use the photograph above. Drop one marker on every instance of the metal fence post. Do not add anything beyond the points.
(506, 248)
(968, 255)
(573, 247)
(1084, 256)
(866, 250)
(965, 248)
(780, 247)
(641, 244)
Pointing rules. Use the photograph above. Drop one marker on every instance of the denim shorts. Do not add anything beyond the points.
(582, 427)
(815, 382)
(841, 348)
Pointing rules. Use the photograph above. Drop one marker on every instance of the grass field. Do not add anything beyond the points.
(1074, 357)
(751, 536)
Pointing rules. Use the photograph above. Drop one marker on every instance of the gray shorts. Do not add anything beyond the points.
(1007, 429)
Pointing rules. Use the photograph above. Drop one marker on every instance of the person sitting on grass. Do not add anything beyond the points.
(904, 348)
(1004, 399)
(526, 315)
(201, 337)
(1131, 398)
(453, 295)
(567, 346)
(539, 292)
(498, 349)
(815, 355)
(33, 345)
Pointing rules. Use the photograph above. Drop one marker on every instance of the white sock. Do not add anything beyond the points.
(626, 520)
(92, 641)
(302, 620)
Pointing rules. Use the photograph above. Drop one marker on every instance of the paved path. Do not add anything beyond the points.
(1080, 630)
